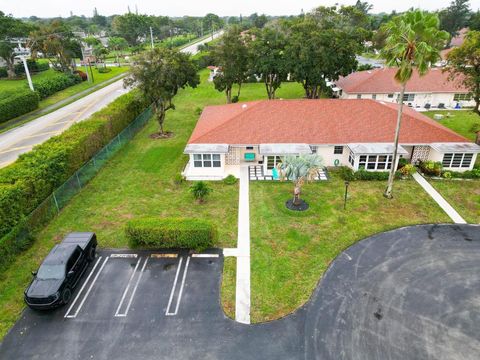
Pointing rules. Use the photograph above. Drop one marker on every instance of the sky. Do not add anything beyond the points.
(48, 8)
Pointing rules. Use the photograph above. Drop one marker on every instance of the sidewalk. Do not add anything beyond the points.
(451, 212)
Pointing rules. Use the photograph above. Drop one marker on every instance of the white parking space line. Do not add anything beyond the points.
(127, 288)
(173, 287)
(157, 256)
(204, 255)
(181, 287)
(124, 256)
(135, 288)
(88, 291)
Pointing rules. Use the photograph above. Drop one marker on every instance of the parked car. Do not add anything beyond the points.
(61, 271)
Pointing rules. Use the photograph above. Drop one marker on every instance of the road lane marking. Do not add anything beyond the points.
(173, 287)
(204, 255)
(128, 287)
(17, 148)
(42, 134)
(89, 289)
(181, 287)
(136, 286)
(124, 256)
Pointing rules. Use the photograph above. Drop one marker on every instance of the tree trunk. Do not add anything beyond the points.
(389, 190)
(10, 68)
(296, 195)
(238, 92)
(476, 97)
(160, 112)
(228, 92)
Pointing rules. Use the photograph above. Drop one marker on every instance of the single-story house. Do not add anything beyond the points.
(433, 90)
(354, 133)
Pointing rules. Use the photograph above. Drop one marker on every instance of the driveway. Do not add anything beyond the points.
(412, 293)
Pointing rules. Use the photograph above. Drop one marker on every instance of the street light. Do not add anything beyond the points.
(27, 72)
(346, 195)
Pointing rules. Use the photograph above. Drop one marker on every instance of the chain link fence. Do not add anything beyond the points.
(52, 205)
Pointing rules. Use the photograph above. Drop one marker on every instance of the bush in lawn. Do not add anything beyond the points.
(371, 175)
(82, 75)
(17, 103)
(49, 86)
(104, 70)
(230, 180)
(3, 72)
(432, 168)
(345, 173)
(33, 177)
(401, 163)
(170, 233)
(179, 179)
(407, 170)
(200, 191)
(469, 174)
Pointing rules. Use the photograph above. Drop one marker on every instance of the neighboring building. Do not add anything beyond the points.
(433, 90)
(354, 133)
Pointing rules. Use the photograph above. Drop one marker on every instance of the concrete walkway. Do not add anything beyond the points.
(451, 212)
(242, 299)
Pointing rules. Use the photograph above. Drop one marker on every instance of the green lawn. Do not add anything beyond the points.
(138, 181)
(290, 251)
(463, 195)
(461, 121)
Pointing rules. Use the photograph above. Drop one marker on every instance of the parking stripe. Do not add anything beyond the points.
(204, 255)
(89, 289)
(135, 288)
(128, 287)
(181, 287)
(173, 287)
(163, 255)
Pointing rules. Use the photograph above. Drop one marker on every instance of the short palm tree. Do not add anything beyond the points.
(300, 169)
(413, 42)
(200, 190)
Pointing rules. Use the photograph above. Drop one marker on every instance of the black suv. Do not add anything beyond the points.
(61, 271)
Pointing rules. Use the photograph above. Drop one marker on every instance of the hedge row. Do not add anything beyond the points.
(349, 175)
(169, 233)
(33, 67)
(49, 86)
(17, 103)
(36, 174)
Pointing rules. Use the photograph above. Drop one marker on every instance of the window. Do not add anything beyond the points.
(462, 97)
(375, 162)
(408, 97)
(207, 160)
(351, 158)
(273, 161)
(390, 96)
(359, 96)
(249, 147)
(374, 96)
(458, 160)
(338, 150)
(314, 149)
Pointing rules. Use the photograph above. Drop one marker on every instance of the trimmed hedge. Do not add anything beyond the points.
(171, 233)
(51, 85)
(17, 103)
(349, 175)
(37, 173)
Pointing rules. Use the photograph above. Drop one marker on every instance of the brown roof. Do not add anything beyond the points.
(382, 81)
(325, 121)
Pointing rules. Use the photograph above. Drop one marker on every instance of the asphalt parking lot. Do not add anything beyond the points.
(411, 293)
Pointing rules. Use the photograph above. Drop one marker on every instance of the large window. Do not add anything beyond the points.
(375, 162)
(338, 150)
(207, 160)
(351, 158)
(408, 97)
(273, 161)
(458, 160)
(462, 97)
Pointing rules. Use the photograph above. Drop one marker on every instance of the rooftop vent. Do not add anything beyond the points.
(244, 106)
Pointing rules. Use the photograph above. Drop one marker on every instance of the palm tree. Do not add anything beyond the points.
(413, 42)
(300, 169)
(200, 191)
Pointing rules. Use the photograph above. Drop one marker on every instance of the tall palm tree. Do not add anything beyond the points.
(414, 41)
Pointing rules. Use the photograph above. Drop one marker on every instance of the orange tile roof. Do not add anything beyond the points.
(382, 81)
(325, 121)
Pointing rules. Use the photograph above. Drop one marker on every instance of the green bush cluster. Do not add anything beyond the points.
(431, 168)
(469, 174)
(13, 104)
(171, 233)
(33, 67)
(49, 86)
(230, 180)
(348, 174)
(104, 70)
(36, 174)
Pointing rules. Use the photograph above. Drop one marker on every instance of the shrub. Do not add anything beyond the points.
(469, 174)
(49, 86)
(3, 72)
(200, 190)
(37, 173)
(346, 173)
(82, 75)
(407, 170)
(179, 179)
(17, 103)
(432, 168)
(402, 162)
(104, 70)
(171, 233)
(447, 175)
(230, 180)
(371, 175)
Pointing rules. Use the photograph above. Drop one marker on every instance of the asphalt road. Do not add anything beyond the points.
(411, 293)
(23, 138)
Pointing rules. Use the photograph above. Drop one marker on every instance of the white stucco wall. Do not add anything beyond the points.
(204, 173)
(437, 156)
(326, 152)
(434, 99)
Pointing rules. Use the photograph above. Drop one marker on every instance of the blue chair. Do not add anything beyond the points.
(275, 174)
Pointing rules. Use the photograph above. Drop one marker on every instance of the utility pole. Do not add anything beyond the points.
(151, 36)
(85, 63)
(27, 72)
(212, 29)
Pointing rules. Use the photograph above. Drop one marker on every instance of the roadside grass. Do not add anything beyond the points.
(463, 195)
(138, 181)
(291, 251)
(460, 121)
(228, 286)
